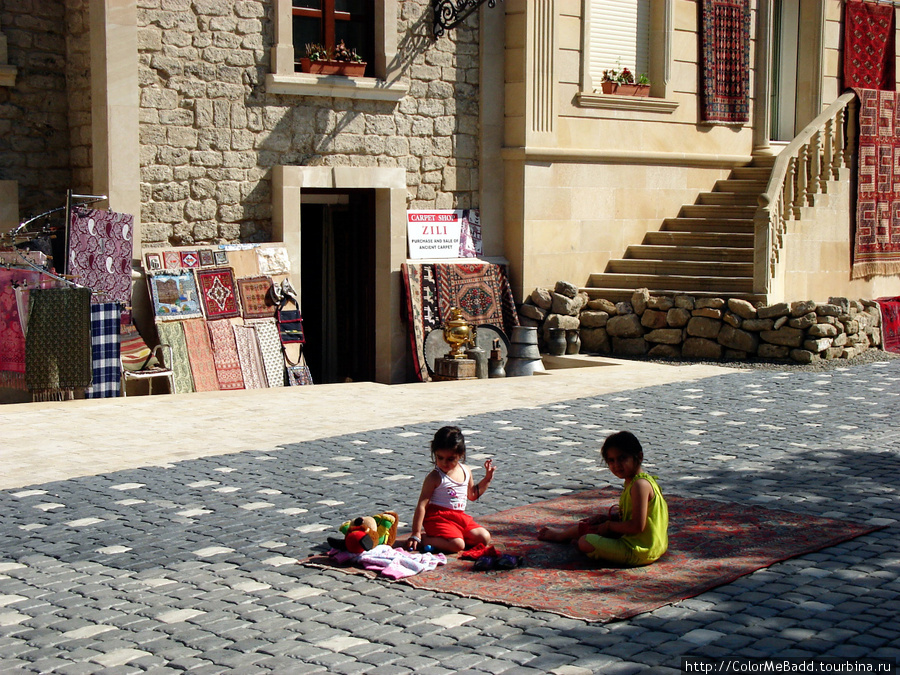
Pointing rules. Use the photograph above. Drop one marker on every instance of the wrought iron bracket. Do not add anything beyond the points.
(448, 14)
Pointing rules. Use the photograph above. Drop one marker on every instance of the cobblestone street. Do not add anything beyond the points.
(192, 565)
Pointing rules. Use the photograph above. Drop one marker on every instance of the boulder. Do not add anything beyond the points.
(802, 307)
(602, 305)
(663, 351)
(833, 353)
(823, 330)
(677, 317)
(532, 312)
(825, 309)
(542, 298)
(563, 304)
(843, 303)
(685, 302)
(817, 346)
(786, 337)
(803, 356)
(735, 355)
(528, 322)
(737, 339)
(703, 327)
(757, 325)
(851, 327)
(566, 289)
(742, 308)
(781, 321)
(732, 319)
(669, 336)
(625, 326)
(652, 318)
(661, 302)
(768, 351)
(773, 311)
(624, 307)
(639, 300)
(593, 319)
(803, 321)
(709, 303)
(708, 312)
(561, 321)
(700, 348)
(594, 340)
(630, 346)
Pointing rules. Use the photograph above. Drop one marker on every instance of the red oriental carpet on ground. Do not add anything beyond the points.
(890, 324)
(710, 544)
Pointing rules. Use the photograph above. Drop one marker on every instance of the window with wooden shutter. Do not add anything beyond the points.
(619, 36)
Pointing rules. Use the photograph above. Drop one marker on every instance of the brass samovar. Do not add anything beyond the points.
(457, 332)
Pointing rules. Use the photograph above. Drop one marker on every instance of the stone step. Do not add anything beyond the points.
(721, 225)
(717, 211)
(685, 268)
(754, 173)
(754, 187)
(683, 283)
(622, 294)
(728, 198)
(708, 239)
(710, 253)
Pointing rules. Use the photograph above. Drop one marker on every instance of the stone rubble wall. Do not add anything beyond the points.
(686, 327)
(210, 132)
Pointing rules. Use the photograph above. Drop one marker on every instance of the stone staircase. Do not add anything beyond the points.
(706, 251)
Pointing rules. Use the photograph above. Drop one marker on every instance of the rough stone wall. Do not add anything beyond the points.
(34, 134)
(210, 133)
(78, 84)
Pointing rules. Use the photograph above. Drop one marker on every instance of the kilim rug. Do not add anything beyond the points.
(203, 368)
(58, 343)
(174, 295)
(253, 297)
(710, 544)
(725, 61)
(868, 45)
(481, 290)
(890, 324)
(106, 321)
(270, 349)
(217, 293)
(12, 339)
(172, 333)
(225, 355)
(876, 241)
(100, 252)
(250, 358)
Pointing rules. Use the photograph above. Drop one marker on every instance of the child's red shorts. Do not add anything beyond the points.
(447, 523)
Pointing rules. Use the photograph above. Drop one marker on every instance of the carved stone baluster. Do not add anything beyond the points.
(802, 172)
(814, 157)
(785, 210)
(827, 156)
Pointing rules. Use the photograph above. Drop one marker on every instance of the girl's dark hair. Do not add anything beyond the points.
(449, 438)
(626, 443)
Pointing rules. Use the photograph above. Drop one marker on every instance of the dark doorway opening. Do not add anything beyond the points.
(337, 293)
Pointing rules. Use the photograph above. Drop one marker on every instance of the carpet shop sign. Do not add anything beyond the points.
(443, 234)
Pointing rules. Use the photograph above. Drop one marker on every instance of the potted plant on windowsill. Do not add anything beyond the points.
(622, 83)
(344, 61)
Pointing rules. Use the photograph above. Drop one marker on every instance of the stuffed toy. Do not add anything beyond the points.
(364, 533)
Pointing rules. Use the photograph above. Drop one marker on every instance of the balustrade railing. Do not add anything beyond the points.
(801, 170)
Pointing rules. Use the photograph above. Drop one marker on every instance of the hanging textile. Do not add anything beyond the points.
(106, 320)
(725, 61)
(271, 350)
(225, 354)
(868, 45)
(100, 252)
(12, 334)
(58, 344)
(203, 369)
(876, 241)
(250, 358)
(172, 333)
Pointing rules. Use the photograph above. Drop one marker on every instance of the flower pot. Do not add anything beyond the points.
(608, 87)
(634, 90)
(346, 68)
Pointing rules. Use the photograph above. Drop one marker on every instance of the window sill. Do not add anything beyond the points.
(8, 76)
(336, 86)
(610, 101)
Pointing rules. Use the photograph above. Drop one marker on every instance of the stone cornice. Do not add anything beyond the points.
(579, 155)
(587, 99)
(336, 86)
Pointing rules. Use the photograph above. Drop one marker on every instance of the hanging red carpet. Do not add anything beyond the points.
(868, 45)
(710, 544)
(876, 241)
(890, 324)
(725, 61)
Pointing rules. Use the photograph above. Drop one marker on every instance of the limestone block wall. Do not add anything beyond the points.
(211, 133)
(78, 88)
(34, 133)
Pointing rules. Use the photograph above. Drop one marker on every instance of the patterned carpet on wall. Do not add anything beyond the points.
(203, 368)
(172, 333)
(225, 355)
(725, 61)
(876, 241)
(710, 544)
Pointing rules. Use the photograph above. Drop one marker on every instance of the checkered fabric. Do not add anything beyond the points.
(105, 319)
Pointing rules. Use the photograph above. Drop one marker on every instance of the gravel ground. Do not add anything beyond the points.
(869, 356)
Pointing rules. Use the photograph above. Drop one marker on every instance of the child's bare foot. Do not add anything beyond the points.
(552, 534)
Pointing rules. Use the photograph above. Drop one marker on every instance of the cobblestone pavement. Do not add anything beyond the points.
(192, 566)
